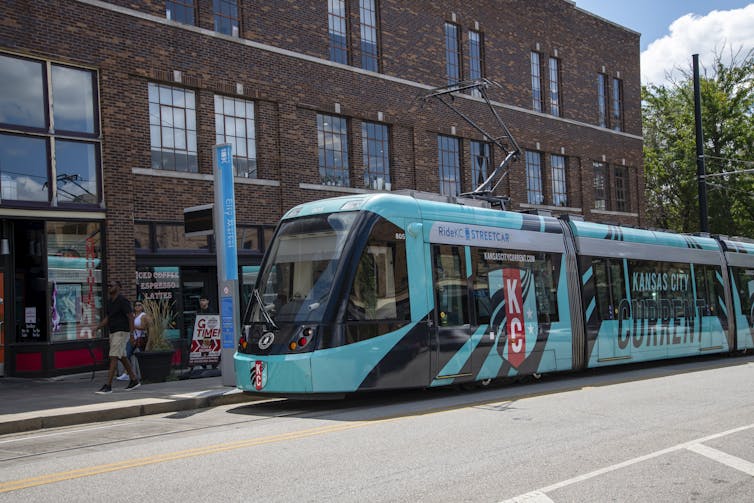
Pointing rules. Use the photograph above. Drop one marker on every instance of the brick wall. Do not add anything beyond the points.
(130, 48)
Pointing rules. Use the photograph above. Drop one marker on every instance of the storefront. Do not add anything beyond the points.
(179, 270)
(51, 284)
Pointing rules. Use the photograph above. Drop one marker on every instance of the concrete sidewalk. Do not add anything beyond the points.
(31, 404)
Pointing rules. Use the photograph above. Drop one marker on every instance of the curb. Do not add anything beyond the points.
(121, 410)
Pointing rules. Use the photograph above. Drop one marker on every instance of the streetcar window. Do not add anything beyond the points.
(451, 288)
(533, 275)
(744, 287)
(610, 286)
(708, 289)
(602, 289)
(380, 286)
(298, 274)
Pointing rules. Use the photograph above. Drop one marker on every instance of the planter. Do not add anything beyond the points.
(154, 366)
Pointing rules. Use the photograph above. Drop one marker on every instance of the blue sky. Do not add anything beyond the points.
(672, 30)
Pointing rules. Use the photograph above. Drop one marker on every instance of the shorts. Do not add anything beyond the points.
(118, 341)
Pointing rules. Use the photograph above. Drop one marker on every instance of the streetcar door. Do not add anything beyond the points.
(451, 314)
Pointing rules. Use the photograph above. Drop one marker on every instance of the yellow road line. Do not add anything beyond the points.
(15, 485)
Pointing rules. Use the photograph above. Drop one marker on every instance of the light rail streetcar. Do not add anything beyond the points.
(402, 290)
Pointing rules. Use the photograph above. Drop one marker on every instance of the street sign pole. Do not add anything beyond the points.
(227, 258)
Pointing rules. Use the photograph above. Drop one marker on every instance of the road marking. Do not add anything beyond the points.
(532, 497)
(721, 457)
(596, 473)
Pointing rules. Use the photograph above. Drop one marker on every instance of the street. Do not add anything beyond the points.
(680, 432)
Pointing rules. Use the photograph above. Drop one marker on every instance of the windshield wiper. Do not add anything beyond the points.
(267, 318)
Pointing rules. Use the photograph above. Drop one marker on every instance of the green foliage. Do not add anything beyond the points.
(670, 149)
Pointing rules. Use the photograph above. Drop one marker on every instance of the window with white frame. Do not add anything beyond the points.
(559, 184)
(332, 148)
(172, 128)
(449, 165)
(376, 155)
(234, 124)
(369, 46)
(40, 143)
(534, 193)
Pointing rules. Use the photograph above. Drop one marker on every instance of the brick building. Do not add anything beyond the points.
(120, 102)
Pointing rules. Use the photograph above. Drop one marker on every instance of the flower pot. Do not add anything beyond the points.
(154, 365)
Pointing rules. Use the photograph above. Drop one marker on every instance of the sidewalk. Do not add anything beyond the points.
(31, 404)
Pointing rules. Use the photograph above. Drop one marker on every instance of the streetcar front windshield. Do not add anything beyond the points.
(297, 277)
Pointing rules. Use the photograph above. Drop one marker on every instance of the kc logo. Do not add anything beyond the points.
(257, 375)
(515, 326)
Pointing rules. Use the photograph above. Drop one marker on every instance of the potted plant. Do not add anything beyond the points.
(154, 361)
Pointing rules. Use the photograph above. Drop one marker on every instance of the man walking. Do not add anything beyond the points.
(119, 320)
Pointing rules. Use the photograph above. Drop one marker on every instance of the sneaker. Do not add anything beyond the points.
(123, 377)
(105, 390)
(132, 385)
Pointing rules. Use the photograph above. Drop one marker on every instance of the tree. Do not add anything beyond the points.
(670, 152)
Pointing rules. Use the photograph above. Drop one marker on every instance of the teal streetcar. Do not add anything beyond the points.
(389, 290)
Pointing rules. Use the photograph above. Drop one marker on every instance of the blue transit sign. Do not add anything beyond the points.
(226, 323)
(228, 209)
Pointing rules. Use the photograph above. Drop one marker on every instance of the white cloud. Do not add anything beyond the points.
(717, 32)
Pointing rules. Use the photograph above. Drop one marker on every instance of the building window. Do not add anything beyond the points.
(77, 166)
(332, 141)
(172, 126)
(476, 64)
(554, 68)
(37, 144)
(173, 237)
(559, 185)
(617, 105)
(226, 17)
(534, 178)
(536, 82)
(480, 162)
(234, 124)
(449, 163)
(376, 155)
(602, 94)
(452, 53)
(369, 47)
(600, 186)
(181, 11)
(24, 168)
(336, 20)
(621, 189)
(74, 258)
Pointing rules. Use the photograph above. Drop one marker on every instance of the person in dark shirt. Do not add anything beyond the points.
(119, 321)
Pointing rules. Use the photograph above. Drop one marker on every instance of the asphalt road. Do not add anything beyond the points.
(683, 432)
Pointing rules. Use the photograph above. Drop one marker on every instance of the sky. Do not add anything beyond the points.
(673, 30)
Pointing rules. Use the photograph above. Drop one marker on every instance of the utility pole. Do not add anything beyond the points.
(700, 169)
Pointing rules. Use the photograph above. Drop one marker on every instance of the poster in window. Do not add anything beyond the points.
(68, 302)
